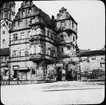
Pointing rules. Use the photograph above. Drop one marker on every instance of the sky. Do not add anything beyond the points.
(90, 16)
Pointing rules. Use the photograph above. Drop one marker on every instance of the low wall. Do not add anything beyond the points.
(20, 82)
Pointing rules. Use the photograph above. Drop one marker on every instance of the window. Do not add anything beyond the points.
(102, 65)
(93, 58)
(15, 37)
(22, 12)
(73, 38)
(22, 53)
(7, 22)
(3, 32)
(61, 49)
(19, 22)
(22, 35)
(68, 47)
(28, 33)
(26, 53)
(38, 49)
(72, 24)
(5, 72)
(48, 33)
(6, 14)
(103, 58)
(9, 25)
(48, 51)
(29, 10)
(61, 36)
(62, 25)
(14, 53)
(33, 71)
(4, 41)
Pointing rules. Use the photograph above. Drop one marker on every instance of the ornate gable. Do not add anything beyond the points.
(63, 14)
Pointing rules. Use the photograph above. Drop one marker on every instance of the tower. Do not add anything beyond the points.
(67, 33)
(7, 14)
(66, 27)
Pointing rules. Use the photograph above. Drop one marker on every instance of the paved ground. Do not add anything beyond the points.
(58, 93)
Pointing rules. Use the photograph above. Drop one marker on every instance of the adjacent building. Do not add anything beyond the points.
(7, 14)
(91, 60)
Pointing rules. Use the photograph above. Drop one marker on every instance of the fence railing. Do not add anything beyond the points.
(20, 82)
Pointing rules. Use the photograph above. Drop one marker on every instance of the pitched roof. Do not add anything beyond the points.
(46, 18)
(4, 52)
(92, 53)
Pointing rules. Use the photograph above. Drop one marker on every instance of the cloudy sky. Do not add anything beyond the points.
(90, 16)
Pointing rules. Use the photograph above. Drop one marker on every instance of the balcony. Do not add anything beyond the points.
(42, 57)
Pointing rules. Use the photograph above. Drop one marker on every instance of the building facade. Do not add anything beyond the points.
(39, 44)
(7, 14)
(91, 60)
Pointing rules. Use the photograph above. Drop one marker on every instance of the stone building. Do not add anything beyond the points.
(7, 14)
(38, 43)
(66, 28)
(32, 42)
(93, 59)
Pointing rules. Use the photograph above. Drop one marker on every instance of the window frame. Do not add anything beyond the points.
(15, 36)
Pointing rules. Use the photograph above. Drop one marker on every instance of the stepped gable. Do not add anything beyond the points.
(66, 15)
(45, 17)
